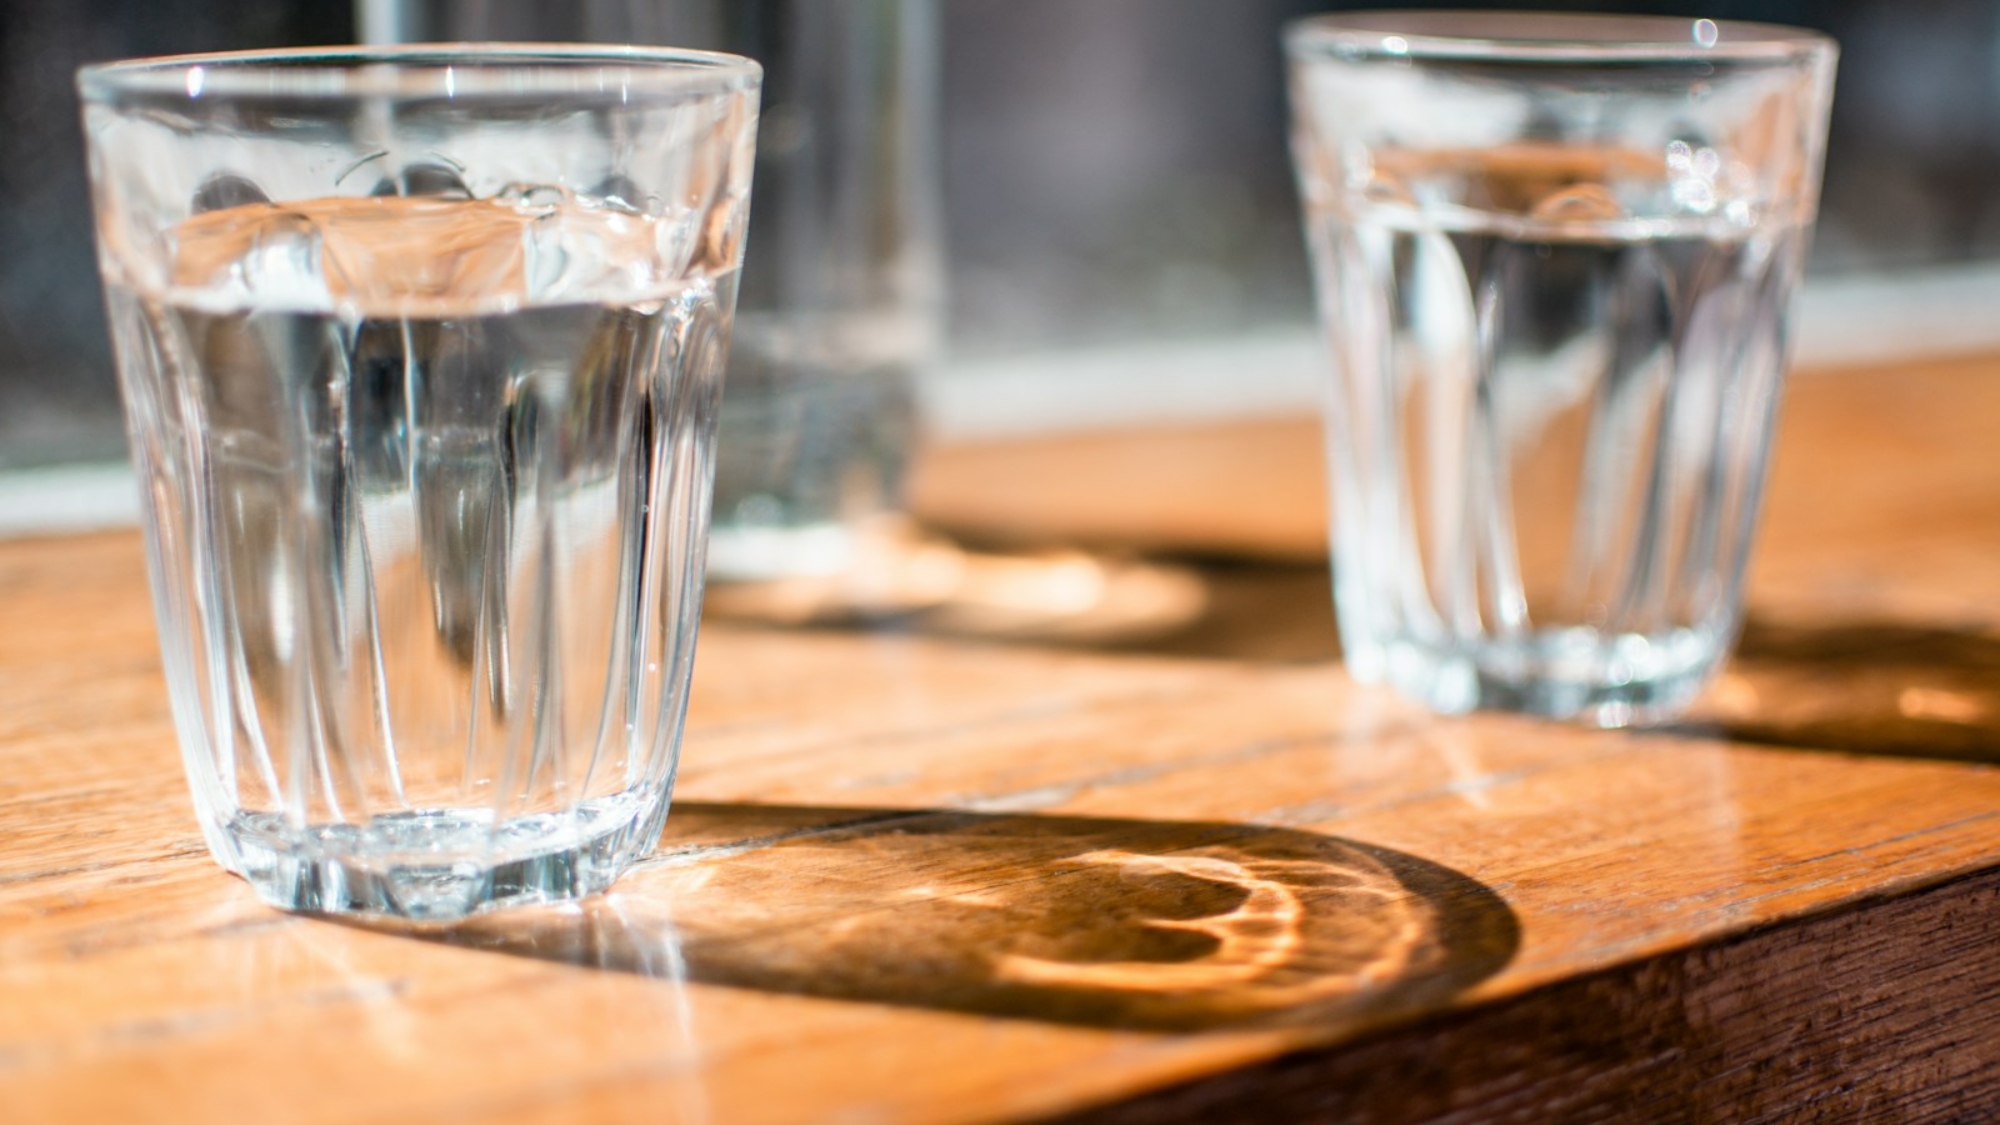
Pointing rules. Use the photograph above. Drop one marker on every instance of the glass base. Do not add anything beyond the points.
(441, 865)
(1581, 675)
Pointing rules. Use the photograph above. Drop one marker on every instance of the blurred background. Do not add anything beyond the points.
(1118, 218)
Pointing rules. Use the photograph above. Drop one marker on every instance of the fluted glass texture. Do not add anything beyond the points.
(421, 354)
(1555, 259)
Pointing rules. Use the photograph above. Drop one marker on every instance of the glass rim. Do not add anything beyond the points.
(1552, 37)
(472, 71)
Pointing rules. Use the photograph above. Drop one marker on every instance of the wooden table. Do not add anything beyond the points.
(1109, 837)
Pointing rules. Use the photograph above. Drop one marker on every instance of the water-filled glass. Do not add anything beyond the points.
(421, 352)
(1555, 258)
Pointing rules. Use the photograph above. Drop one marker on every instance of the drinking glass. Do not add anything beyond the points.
(1555, 258)
(841, 298)
(421, 352)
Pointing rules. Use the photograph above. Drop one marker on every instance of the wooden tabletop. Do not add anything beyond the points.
(1095, 829)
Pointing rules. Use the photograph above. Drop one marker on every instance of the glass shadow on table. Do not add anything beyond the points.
(1156, 925)
(1879, 687)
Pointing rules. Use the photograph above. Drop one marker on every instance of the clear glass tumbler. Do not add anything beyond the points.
(841, 299)
(1555, 256)
(421, 351)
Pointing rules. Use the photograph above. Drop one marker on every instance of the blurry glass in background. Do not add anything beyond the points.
(840, 298)
(1557, 257)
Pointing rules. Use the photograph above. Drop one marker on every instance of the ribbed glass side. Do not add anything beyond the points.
(1547, 447)
(427, 585)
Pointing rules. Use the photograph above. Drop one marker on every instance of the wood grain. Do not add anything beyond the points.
(1876, 1013)
(1179, 873)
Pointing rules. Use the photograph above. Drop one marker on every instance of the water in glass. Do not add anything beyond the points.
(1550, 422)
(427, 477)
